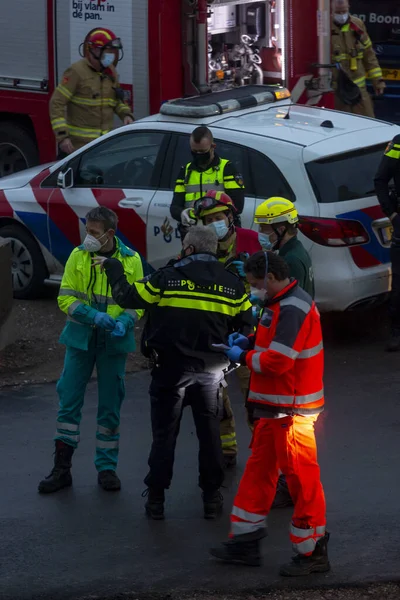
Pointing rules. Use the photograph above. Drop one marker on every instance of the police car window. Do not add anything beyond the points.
(127, 161)
(347, 176)
(233, 152)
(267, 179)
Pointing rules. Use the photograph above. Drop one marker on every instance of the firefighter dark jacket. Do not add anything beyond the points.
(82, 107)
(192, 305)
(389, 169)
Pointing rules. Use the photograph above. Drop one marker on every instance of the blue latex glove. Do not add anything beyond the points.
(239, 264)
(237, 339)
(255, 300)
(119, 330)
(234, 354)
(104, 321)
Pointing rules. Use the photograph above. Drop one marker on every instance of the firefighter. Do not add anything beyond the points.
(98, 332)
(207, 171)
(286, 388)
(82, 107)
(389, 169)
(277, 219)
(352, 52)
(192, 305)
(216, 210)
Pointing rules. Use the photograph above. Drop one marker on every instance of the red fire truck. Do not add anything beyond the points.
(166, 43)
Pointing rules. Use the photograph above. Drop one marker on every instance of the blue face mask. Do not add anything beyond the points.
(220, 228)
(265, 242)
(107, 59)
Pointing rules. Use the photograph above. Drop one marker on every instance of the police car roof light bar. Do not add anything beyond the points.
(218, 103)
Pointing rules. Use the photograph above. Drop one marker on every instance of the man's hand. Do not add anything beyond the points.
(104, 321)
(98, 261)
(187, 218)
(66, 146)
(234, 354)
(379, 87)
(238, 339)
(128, 120)
(119, 330)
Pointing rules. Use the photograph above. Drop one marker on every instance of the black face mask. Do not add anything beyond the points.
(201, 159)
(187, 252)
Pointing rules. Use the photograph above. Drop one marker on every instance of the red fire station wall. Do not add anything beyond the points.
(165, 51)
(301, 38)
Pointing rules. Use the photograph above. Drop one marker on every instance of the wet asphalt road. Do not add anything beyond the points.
(84, 542)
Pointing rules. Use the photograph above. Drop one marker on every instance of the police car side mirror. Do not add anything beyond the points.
(65, 179)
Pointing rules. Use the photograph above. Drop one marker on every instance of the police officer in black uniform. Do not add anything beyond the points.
(192, 305)
(389, 200)
(207, 171)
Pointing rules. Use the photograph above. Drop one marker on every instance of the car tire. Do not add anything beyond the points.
(28, 266)
(18, 149)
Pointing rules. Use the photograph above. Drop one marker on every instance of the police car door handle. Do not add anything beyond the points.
(129, 202)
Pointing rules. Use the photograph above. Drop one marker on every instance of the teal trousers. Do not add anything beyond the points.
(78, 368)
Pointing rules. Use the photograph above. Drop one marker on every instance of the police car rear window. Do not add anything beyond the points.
(346, 176)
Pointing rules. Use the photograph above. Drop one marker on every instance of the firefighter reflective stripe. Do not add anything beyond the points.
(305, 540)
(241, 527)
(107, 445)
(255, 362)
(282, 349)
(283, 399)
(74, 293)
(67, 426)
(228, 440)
(374, 73)
(72, 307)
(360, 81)
(247, 516)
(298, 302)
(59, 123)
(87, 132)
(310, 352)
(93, 101)
(64, 91)
(106, 431)
(367, 44)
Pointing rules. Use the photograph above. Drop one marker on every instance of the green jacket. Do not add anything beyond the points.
(300, 265)
(85, 290)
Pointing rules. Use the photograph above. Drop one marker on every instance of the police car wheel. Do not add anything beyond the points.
(27, 263)
(18, 149)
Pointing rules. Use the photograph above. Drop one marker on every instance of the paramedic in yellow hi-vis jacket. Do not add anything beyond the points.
(352, 50)
(98, 333)
(82, 107)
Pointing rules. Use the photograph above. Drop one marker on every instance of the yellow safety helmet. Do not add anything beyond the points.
(275, 211)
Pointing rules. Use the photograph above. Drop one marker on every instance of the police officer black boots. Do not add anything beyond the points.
(213, 503)
(109, 481)
(155, 503)
(394, 341)
(301, 565)
(60, 476)
(239, 552)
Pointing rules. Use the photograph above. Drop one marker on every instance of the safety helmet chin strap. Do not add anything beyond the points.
(279, 236)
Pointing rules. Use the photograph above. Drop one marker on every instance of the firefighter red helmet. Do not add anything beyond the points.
(213, 202)
(102, 38)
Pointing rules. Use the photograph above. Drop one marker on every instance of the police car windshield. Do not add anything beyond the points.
(346, 176)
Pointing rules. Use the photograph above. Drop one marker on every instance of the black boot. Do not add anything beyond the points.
(109, 481)
(155, 503)
(282, 496)
(244, 553)
(394, 341)
(213, 503)
(230, 461)
(60, 476)
(301, 565)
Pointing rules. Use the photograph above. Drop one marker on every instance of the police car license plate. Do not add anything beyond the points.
(386, 234)
(393, 74)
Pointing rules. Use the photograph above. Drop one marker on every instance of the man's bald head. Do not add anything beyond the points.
(340, 6)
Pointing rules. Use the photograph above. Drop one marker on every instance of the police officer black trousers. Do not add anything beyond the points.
(169, 394)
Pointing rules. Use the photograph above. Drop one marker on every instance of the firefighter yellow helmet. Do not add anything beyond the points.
(275, 211)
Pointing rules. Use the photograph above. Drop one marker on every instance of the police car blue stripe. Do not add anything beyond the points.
(373, 247)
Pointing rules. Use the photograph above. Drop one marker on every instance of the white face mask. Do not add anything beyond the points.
(92, 244)
(265, 241)
(341, 19)
(220, 228)
(261, 295)
(107, 59)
